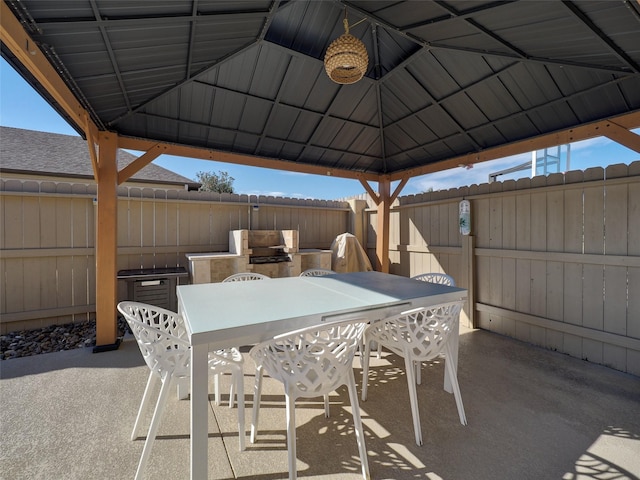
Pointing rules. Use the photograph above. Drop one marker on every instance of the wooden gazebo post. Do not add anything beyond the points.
(383, 199)
(105, 168)
(383, 218)
(106, 242)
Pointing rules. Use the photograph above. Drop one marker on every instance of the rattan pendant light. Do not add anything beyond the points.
(346, 59)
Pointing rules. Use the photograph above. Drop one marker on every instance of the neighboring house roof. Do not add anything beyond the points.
(43, 153)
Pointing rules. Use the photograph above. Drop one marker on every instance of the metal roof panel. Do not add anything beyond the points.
(445, 78)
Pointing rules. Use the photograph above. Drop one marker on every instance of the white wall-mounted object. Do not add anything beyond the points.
(464, 217)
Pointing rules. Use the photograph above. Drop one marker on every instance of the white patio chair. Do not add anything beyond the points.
(236, 277)
(436, 277)
(317, 272)
(431, 277)
(311, 362)
(245, 276)
(417, 335)
(162, 339)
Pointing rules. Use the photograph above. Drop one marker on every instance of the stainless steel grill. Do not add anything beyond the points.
(272, 254)
(270, 259)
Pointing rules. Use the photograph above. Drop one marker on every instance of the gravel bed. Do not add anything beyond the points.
(50, 339)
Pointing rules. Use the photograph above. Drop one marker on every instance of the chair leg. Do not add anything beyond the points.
(238, 380)
(455, 385)
(234, 382)
(153, 379)
(357, 422)
(418, 373)
(291, 435)
(326, 406)
(183, 390)
(155, 423)
(365, 369)
(257, 390)
(413, 397)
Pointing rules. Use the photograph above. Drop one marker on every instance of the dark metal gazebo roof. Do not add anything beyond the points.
(445, 78)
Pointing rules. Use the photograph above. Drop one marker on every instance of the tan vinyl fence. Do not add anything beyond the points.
(48, 239)
(555, 260)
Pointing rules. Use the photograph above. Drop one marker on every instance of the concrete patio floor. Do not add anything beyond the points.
(532, 413)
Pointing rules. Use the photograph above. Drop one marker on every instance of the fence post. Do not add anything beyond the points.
(468, 278)
(357, 220)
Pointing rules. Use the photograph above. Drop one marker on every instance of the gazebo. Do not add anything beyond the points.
(444, 84)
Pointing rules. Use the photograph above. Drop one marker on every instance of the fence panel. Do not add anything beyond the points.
(47, 235)
(556, 260)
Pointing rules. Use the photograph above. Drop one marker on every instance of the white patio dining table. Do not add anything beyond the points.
(219, 315)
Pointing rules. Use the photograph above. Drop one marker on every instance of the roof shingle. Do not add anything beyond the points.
(66, 155)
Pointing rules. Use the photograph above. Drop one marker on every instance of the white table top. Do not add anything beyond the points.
(239, 313)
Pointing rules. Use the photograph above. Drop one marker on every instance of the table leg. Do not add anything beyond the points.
(199, 411)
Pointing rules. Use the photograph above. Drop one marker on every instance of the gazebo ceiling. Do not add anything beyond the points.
(445, 78)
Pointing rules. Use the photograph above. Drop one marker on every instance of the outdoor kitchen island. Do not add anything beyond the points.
(274, 253)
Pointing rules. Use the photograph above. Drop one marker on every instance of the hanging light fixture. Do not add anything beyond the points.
(346, 59)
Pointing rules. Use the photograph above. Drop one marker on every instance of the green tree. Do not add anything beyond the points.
(219, 182)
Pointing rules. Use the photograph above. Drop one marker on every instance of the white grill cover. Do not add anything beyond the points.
(348, 255)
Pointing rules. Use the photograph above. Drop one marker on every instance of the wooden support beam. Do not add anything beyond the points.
(370, 191)
(249, 160)
(383, 218)
(623, 136)
(398, 189)
(597, 129)
(92, 135)
(107, 242)
(141, 162)
(383, 200)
